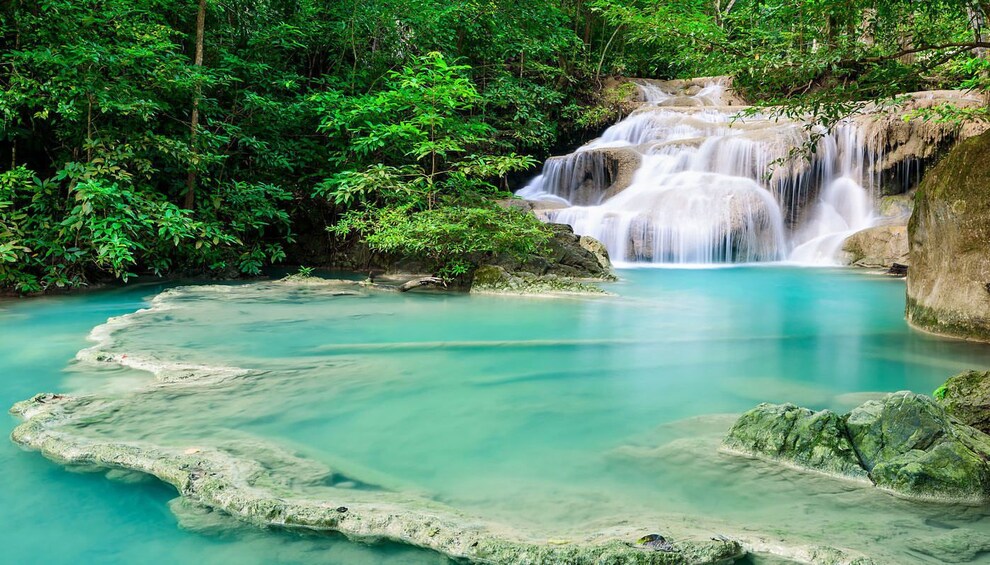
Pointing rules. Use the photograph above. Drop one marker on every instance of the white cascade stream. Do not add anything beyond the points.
(702, 192)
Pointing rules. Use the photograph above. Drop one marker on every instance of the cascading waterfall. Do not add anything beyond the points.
(685, 180)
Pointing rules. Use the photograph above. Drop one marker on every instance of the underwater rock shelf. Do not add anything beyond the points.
(244, 490)
(262, 484)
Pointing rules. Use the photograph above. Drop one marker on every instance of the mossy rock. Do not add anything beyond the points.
(905, 443)
(966, 397)
(495, 279)
(949, 236)
(901, 422)
(785, 432)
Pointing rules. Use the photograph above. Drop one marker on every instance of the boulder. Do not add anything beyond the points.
(589, 176)
(597, 249)
(568, 255)
(570, 262)
(799, 436)
(905, 443)
(948, 286)
(880, 246)
(901, 422)
(966, 397)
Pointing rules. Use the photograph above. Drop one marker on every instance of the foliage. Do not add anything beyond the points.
(95, 110)
(355, 110)
(450, 239)
(810, 57)
(421, 163)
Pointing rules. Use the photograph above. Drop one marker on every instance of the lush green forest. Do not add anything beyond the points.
(207, 136)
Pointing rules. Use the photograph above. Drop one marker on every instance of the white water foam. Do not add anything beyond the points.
(712, 187)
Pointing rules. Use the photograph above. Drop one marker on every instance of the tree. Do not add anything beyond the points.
(194, 115)
(420, 169)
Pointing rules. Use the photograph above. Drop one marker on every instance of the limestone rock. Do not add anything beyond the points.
(597, 249)
(966, 397)
(905, 443)
(588, 177)
(570, 262)
(948, 287)
(576, 256)
(880, 246)
(907, 148)
(218, 485)
(902, 422)
(896, 209)
(785, 432)
(494, 279)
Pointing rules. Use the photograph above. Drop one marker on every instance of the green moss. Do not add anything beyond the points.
(906, 443)
(966, 397)
(944, 323)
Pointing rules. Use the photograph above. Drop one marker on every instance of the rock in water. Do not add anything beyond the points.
(949, 231)
(656, 542)
(799, 436)
(570, 262)
(905, 443)
(883, 429)
(880, 246)
(966, 397)
(911, 446)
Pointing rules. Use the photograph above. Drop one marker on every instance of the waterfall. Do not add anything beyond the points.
(685, 180)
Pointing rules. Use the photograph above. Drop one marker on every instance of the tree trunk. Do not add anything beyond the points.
(416, 283)
(194, 119)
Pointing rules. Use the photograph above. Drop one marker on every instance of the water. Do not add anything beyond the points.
(53, 516)
(556, 416)
(687, 180)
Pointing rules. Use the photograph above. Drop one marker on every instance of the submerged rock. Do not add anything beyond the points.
(956, 546)
(948, 286)
(227, 483)
(905, 443)
(880, 246)
(966, 397)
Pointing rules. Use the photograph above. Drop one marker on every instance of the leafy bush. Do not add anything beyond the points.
(424, 163)
(451, 239)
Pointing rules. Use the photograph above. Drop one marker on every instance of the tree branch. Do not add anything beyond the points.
(899, 54)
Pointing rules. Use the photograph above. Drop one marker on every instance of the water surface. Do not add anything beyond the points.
(555, 416)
